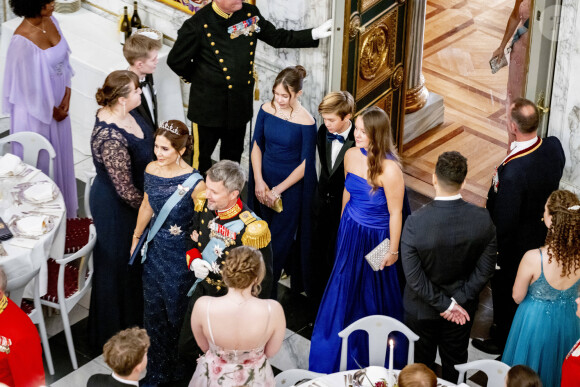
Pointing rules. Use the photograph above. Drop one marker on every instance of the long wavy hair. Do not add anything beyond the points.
(377, 126)
(563, 239)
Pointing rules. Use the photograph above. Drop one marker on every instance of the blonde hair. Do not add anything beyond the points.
(244, 267)
(138, 46)
(124, 351)
(340, 103)
(417, 375)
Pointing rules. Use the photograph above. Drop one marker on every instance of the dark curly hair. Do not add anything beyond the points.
(563, 239)
(28, 8)
(244, 267)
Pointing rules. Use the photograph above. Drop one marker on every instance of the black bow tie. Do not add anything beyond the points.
(330, 137)
(144, 83)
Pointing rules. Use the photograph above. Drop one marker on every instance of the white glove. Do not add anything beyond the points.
(200, 268)
(324, 31)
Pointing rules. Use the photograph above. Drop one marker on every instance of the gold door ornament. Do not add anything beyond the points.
(374, 52)
(354, 26)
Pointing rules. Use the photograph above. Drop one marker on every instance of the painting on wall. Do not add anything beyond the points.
(189, 6)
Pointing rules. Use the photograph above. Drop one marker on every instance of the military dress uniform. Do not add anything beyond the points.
(219, 232)
(215, 52)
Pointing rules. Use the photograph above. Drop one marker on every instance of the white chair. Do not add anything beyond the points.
(32, 143)
(72, 281)
(16, 287)
(291, 377)
(90, 178)
(495, 371)
(378, 328)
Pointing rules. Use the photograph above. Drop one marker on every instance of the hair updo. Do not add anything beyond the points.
(178, 140)
(28, 8)
(291, 80)
(116, 86)
(244, 267)
(563, 239)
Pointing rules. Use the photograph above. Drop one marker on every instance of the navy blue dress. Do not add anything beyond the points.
(120, 159)
(285, 145)
(354, 290)
(166, 278)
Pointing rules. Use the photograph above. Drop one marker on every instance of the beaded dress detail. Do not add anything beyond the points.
(544, 329)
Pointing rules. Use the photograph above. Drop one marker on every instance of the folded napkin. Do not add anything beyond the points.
(33, 172)
(40, 192)
(22, 242)
(10, 165)
(33, 225)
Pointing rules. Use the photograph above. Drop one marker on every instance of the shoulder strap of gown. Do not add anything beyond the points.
(208, 323)
(541, 260)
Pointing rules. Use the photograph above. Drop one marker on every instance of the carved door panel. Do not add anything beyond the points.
(374, 56)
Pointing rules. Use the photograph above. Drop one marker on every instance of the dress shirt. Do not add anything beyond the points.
(125, 381)
(517, 146)
(337, 145)
(148, 94)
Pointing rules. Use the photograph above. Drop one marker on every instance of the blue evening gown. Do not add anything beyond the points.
(354, 290)
(544, 329)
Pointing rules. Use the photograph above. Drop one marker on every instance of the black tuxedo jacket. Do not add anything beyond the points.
(103, 380)
(328, 198)
(448, 249)
(525, 182)
(143, 109)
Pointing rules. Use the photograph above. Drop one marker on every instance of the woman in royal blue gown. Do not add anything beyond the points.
(373, 204)
(545, 326)
(282, 164)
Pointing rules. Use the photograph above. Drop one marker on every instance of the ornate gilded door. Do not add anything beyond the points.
(374, 56)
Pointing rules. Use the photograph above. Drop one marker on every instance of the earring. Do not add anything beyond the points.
(542, 219)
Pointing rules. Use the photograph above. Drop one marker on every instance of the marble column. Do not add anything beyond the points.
(417, 93)
(424, 110)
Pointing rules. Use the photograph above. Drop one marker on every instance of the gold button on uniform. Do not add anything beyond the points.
(252, 53)
(221, 61)
(212, 43)
(249, 82)
(251, 43)
(217, 51)
(199, 243)
(202, 221)
(251, 62)
(225, 69)
(200, 233)
(205, 26)
(249, 14)
(228, 77)
(230, 86)
(227, 253)
(206, 210)
(208, 35)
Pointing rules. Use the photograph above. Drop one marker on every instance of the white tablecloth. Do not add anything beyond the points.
(337, 379)
(95, 52)
(21, 260)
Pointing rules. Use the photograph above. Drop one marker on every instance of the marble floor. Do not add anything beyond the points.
(459, 39)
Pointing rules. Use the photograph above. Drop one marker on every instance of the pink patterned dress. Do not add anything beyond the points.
(232, 368)
(517, 67)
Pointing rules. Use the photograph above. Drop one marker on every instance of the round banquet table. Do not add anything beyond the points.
(26, 254)
(337, 379)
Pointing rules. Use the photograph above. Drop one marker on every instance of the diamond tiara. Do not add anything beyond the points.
(169, 127)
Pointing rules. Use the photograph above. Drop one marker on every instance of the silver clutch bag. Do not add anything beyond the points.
(376, 256)
(496, 63)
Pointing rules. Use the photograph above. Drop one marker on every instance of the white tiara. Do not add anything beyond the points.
(169, 127)
(574, 208)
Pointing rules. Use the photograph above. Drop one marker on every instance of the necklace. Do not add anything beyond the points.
(38, 28)
(241, 296)
(287, 117)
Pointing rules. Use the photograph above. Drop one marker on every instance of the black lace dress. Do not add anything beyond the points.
(120, 159)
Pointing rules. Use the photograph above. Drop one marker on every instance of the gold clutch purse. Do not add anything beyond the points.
(277, 205)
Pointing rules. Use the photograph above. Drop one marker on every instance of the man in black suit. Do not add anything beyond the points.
(215, 51)
(519, 190)
(334, 138)
(448, 252)
(142, 52)
(126, 354)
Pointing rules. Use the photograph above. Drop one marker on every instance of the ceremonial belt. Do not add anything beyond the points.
(177, 195)
(209, 254)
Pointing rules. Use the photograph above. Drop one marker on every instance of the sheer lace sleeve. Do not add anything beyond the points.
(110, 149)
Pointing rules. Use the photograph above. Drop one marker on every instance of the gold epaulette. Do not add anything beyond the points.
(257, 234)
(200, 201)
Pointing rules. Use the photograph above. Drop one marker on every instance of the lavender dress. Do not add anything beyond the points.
(34, 82)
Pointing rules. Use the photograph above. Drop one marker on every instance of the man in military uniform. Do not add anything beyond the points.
(224, 223)
(215, 51)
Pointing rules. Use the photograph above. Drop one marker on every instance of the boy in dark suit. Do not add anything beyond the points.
(142, 52)
(334, 138)
(448, 252)
(126, 354)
